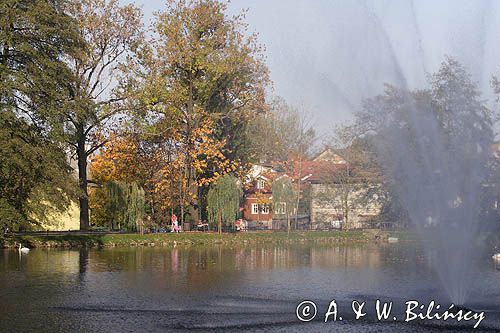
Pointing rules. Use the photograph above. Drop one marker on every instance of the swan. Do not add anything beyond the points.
(496, 256)
(23, 250)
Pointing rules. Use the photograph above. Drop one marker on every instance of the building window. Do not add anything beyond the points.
(255, 208)
(280, 208)
(264, 209)
(260, 184)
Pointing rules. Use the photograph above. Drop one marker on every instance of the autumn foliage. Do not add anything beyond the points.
(159, 168)
(197, 85)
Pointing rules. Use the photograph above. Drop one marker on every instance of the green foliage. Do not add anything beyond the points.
(219, 77)
(35, 179)
(115, 205)
(36, 36)
(125, 205)
(98, 199)
(448, 121)
(224, 200)
(305, 200)
(136, 206)
(284, 192)
(281, 132)
(452, 102)
(185, 238)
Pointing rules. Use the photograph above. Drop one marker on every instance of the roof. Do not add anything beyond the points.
(323, 166)
(260, 170)
(312, 171)
(317, 171)
(328, 155)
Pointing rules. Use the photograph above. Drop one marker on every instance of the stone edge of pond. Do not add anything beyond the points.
(187, 239)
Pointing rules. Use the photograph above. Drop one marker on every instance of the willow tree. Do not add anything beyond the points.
(284, 194)
(224, 201)
(115, 204)
(125, 205)
(136, 207)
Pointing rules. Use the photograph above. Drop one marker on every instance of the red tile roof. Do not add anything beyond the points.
(314, 171)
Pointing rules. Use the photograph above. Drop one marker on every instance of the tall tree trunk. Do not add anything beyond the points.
(83, 182)
(191, 124)
(288, 224)
(297, 203)
(220, 223)
(193, 204)
(345, 214)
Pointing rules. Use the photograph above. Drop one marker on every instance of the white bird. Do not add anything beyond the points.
(496, 256)
(23, 250)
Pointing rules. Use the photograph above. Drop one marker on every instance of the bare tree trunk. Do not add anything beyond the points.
(345, 209)
(139, 226)
(288, 224)
(220, 223)
(188, 170)
(345, 188)
(298, 192)
(182, 215)
(182, 194)
(82, 181)
(346, 219)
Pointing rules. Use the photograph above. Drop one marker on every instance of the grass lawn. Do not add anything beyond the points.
(405, 235)
(186, 238)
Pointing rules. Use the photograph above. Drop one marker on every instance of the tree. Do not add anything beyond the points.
(355, 184)
(202, 68)
(285, 195)
(125, 206)
(136, 205)
(132, 158)
(434, 146)
(156, 164)
(285, 135)
(224, 201)
(99, 92)
(282, 132)
(440, 136)
(35, 179)
(115, 204)
(35, 39)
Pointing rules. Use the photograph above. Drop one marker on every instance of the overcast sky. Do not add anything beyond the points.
(326, 55)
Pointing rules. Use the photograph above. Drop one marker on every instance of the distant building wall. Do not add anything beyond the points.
(260, 217)
(327, 208)
(68, 220)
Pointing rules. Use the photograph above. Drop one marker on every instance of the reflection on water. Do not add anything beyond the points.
(233, 288)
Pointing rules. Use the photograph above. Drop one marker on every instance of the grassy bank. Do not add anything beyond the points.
(405, 235)
(192, 238)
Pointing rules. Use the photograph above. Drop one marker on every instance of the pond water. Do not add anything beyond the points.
(229, 289)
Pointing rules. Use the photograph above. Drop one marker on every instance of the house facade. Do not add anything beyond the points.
(323, 204)
(334, 206)
(257, 204)
(339, 199)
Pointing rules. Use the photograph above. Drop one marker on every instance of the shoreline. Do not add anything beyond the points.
(106, 240)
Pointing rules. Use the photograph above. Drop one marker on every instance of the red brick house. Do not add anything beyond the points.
(258, 208)
(257, 205)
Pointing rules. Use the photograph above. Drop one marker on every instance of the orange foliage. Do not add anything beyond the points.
(162, 170)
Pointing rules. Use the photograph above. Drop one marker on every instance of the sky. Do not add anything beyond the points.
(326, 56)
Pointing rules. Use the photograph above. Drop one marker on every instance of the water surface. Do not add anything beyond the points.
(220, 288)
